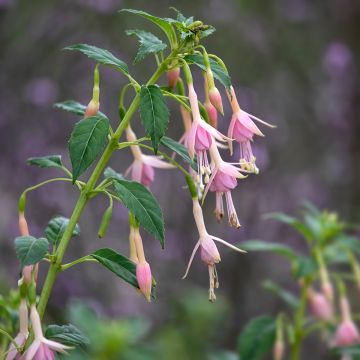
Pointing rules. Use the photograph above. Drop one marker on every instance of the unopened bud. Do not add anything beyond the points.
(215, 99)
(173, 76)
(23, 226)
(92, 108)
(209, 252)
(328, 291)
(278, 350)
(320, 306)
(212, 114)
(105, 222)
(144, 278)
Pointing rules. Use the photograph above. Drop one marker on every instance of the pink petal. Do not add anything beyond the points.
(191, 259)
(215, 133)
(231, 170)
(190, 141)
(31, 352)
(231, 132)
(136, 170)
(227, 244)
(56, 346)
(156, 162)
(245, 120)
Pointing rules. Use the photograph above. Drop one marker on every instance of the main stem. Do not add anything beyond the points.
(298, 322)
(83, 198)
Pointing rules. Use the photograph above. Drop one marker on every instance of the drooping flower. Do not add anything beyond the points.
(173, 76)
(23, 334)
(42, 348)
(223, 179)
(347, 332)
(208, 250)
(320, 307)
(142, 168)
(242, 128)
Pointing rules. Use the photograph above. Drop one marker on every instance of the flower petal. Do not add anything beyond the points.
(227, 244)
(231, 132)
(191, 259)
(245, 120)
(155, 161)
(31, 352)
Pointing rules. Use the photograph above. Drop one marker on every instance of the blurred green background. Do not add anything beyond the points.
(294, 63)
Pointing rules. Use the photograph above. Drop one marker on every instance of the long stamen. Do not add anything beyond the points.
(233, 218)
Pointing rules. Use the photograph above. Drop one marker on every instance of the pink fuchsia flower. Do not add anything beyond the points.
(142, 168)
(347, 332)
(223, 179)
(320, 307)
(208, 250)
(42, 348)
(23, 334)
(173, 76)
(242, 128)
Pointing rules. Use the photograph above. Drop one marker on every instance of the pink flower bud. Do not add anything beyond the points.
(215, 99)
(212, 114)
(320, 306)
(144, 278)
(278, 350)
(173, 76)
(328, 291)
(209, 252)
(23, 227)
(92, 109)
(347, 332)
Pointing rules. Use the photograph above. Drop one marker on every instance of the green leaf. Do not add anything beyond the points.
(86, 142)
(30, 250)
(280, 249)
(66, 334)
(257, 338)
(154, 113)
(46, 161)
(283, 294)
(181, 18)
(219, 73)
(56, 228)
(74, 107)
(178, 149)
(142, 203)
(295, 223)
(119, 264)
(149, 44)
(304, 266)
(100, 55)
(163, 24)
(110, 173)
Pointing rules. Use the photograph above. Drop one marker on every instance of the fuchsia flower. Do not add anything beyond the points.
(23, 334)
(223, 179)
(215, 99)
(173, 76)
(319, 305)
(42, 348)
(144, 278)
(142, 168)
(347, 332)
(208, 250)
(242, 129)
(212, 113)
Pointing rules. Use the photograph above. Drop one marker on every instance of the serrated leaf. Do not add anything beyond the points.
(209, 31)
(101, 56)
(178, 149)
(219, 73)
(182, 18)
(110, 173)
(86, 142)
(56, 228)
(74, 107)
(154, 113)
(46, 161)
(280, 249)
(283, 294)
(142, 203)
(30, 250)
(119, 264)
(257, 338)
(66, 334)
(164, 24)
(149, 44)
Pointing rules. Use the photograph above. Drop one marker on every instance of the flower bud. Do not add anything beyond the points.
(105, 221)
(173, 76)
(92, 108)
(212, 113)
(23, 226)
(347, 332)
(215, 99)
(278, 350)
(209, 252)
(144, 278)
(320, 305)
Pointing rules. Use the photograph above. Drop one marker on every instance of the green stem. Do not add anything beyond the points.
(298, 322)
(78, 261)
(9, 337)
(55, 267)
